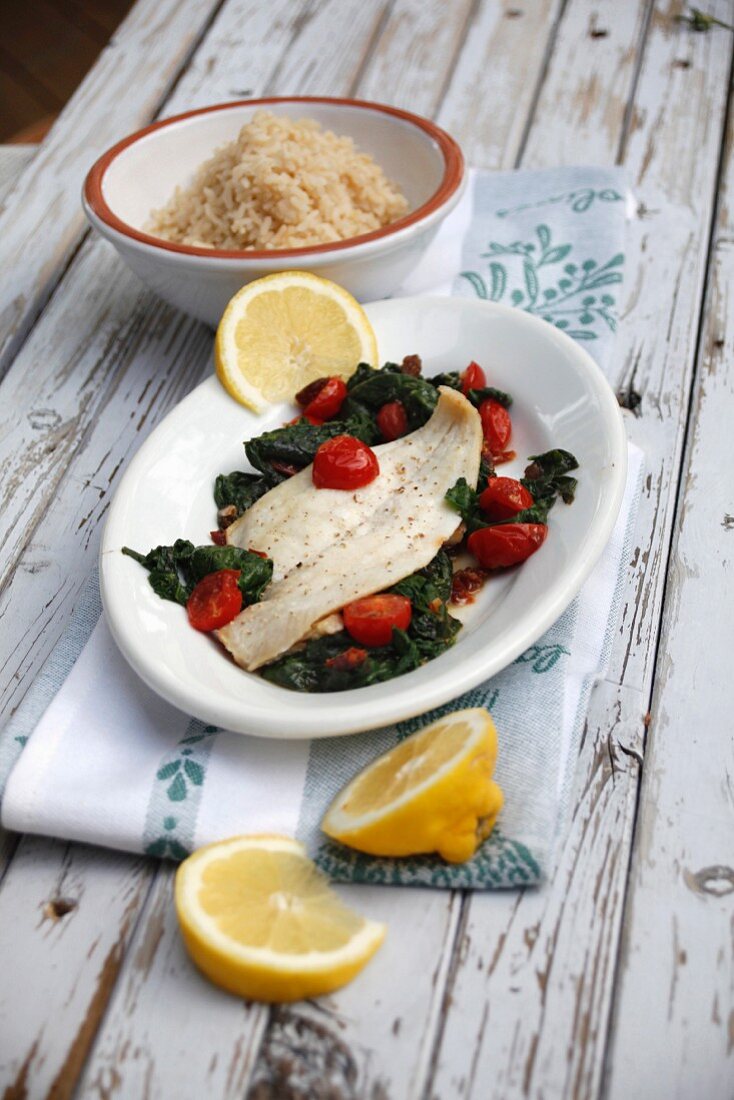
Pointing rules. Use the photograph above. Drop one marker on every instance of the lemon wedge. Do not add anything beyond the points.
(433, 792)
(260, 920)
(285, 330)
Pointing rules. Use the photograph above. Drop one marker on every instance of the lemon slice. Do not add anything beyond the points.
(433, 792)
(260, 920)
(285, 330)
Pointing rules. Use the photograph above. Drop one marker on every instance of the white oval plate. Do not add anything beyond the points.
(561, 400)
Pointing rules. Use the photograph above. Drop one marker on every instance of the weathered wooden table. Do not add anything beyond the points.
(617, 978)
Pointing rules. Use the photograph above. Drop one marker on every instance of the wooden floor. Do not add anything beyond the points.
(46, 48)
(612, 981)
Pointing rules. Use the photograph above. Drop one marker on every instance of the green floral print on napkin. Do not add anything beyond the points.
(500, 862)
(579, 200)
(529, 275)
(174, 801)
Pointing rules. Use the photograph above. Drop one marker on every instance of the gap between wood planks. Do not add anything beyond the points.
(670, 460)
(56, 278)
(143, 907)
(148, 906)
(726, 146)
(465, 900)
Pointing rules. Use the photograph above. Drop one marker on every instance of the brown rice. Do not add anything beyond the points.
(281, 184)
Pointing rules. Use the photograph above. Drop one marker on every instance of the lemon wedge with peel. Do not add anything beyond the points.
(433, 792)
(260, 920)
(285, 330)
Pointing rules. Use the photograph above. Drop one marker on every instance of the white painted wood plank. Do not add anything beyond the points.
(57, 906)
(587, 87)
(13, 159)
(174, 1033)
(151, 356)
(43, 221)
(52, 394)
(491, 92)
(676, 983)
(415, 54)
(373, 1023)
(134, 358)
(534, 979)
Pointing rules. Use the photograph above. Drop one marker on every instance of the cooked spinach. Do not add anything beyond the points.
(368, 390)
(545, 478)
(276, 454)
(167, 565)
(297, 444)
(311, 668)
(432, 630)
(175, 570)
(489, 393)
(452, 379)
(465, 500)
(242, 489)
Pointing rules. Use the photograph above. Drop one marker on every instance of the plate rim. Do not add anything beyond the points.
(356, 716)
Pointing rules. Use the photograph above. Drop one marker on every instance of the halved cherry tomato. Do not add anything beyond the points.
(328, 400)
(504, 497)
(306, 395)
(219, 538)
(496, 425)
(392, 421)
(507, 544)
(344, 463)
(371, 619)
(215, 601)
(473, 378)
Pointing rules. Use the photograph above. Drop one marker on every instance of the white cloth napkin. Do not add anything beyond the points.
(93, 755)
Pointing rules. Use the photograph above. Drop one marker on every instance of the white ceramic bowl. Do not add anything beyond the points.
(561, 400)
(141, 172)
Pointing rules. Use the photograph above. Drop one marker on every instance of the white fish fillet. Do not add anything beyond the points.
(331, 546)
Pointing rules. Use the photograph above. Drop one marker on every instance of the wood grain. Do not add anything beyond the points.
(535, 981)
(13, 160)
(129, 359)
(61, 905)
(42, 222)
(490, 97)
(675, 980)
(497, 995)
(375, 1029)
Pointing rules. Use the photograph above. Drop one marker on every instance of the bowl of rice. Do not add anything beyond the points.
(203, 203)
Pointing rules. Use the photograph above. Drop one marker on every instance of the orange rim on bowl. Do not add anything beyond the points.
(451, 180)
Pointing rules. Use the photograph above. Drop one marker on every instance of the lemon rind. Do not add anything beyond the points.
(341, 825)
(226, 365)
(203, 929)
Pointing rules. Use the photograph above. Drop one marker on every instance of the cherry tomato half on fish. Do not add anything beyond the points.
(328, 401)
(508, 544)
(392, 421)
(371, 619)
(496, 425)
(215, 601)
(473, 378)
(344, 463)
(504, 497)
